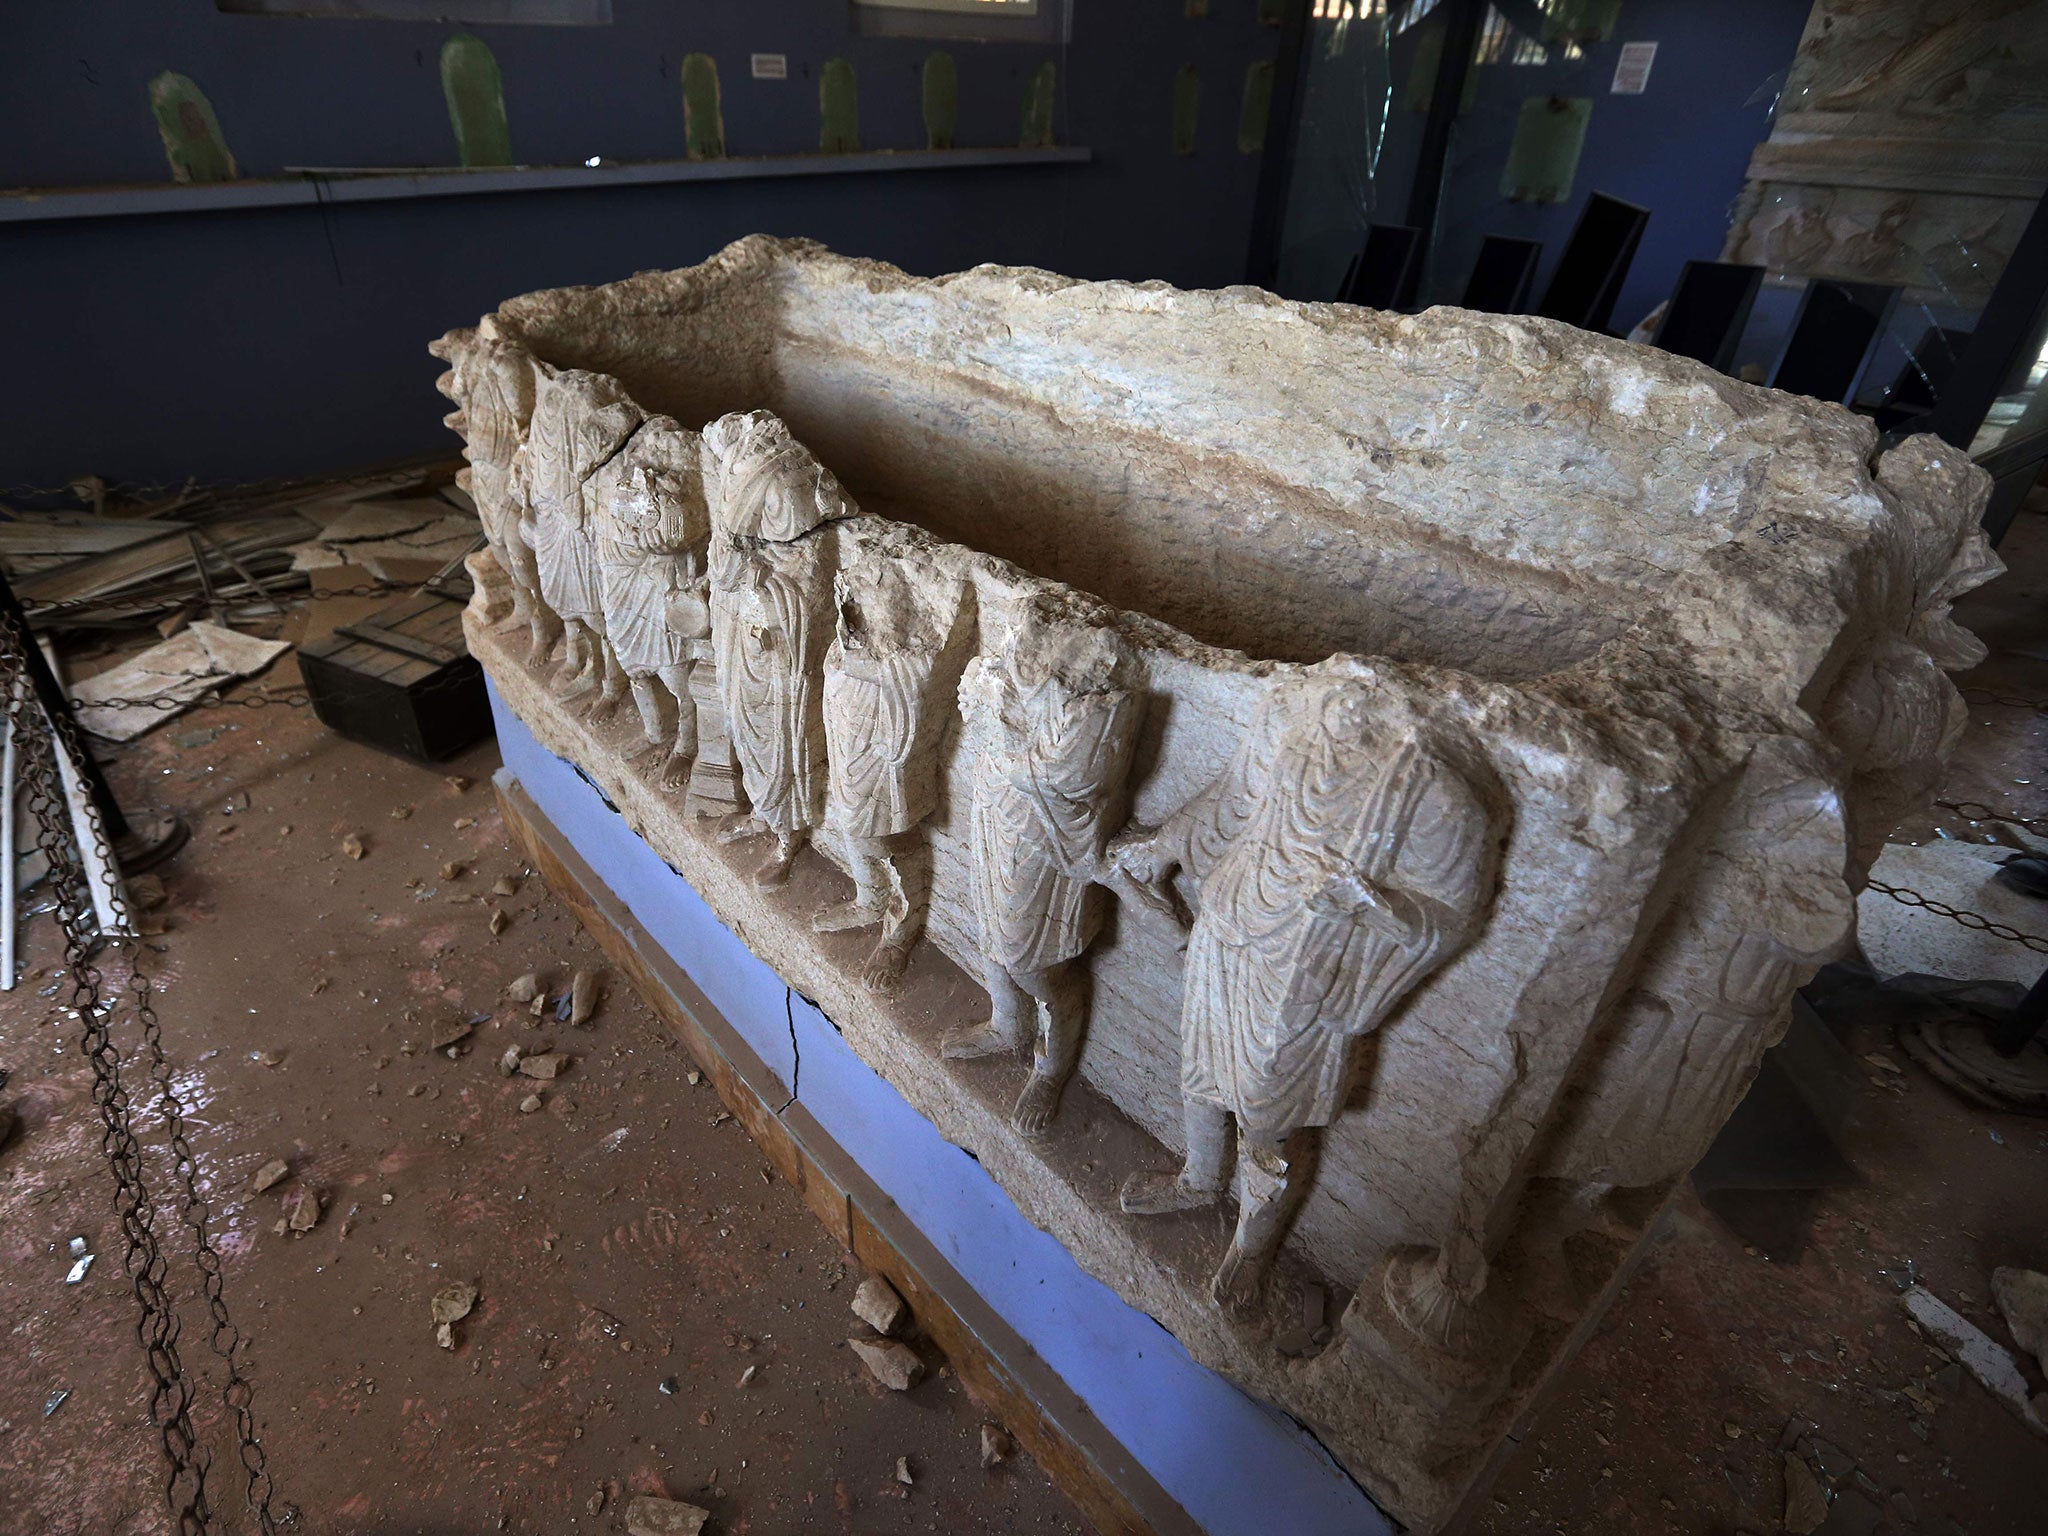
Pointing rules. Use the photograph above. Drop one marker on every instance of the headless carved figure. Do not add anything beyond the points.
(653, 532)
(1052, 738)
(771, 598)
(881, 780)
(1339, 863)
(579, 421)
(494, 385)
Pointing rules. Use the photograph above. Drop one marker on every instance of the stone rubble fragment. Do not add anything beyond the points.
(583, 997)
(302, 1208)
(1806, 1503)
(996, 1445)
(545, 1064)
(895, 1365)
(877, 1304)
(449, 1031)
(650, 1516)
(524, 989)
(2022, 1297)
(450, 1306)
(903, 1472)
(272, 1172)
(1981, 1355)
(353, 846)
(530, 1103)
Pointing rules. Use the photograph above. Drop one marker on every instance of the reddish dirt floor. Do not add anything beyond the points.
(658, 1313)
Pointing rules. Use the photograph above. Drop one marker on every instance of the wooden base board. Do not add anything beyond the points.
(1045, 1415)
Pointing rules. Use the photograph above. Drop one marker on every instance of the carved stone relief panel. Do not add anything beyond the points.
(1435, 921)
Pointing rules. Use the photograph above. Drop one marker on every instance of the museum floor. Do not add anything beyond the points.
(659, 1314)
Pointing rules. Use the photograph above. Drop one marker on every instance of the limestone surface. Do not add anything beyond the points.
(1373, 780)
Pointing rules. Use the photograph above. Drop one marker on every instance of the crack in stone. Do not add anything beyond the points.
(796, 1061)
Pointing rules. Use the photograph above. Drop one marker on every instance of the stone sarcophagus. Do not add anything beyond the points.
(1329, 807)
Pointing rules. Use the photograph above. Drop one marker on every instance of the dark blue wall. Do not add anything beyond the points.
(238, 345)
(1679, 149)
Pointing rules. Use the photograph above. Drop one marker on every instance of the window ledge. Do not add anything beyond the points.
(27, 205)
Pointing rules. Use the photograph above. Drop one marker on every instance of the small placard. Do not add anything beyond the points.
(1632, 69)
(775, 66)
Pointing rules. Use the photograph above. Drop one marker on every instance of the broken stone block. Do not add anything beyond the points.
(895, 1365)
(524, 989)
(649, 1516)
(877, 1304)
(545, 1064)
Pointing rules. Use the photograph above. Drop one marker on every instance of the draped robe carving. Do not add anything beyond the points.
(1339, 861)
(771, 592)
(653, 534)
(1054, 739)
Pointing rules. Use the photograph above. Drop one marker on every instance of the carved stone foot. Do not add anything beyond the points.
(843, 915)
(741, 825)
(644, 754)
(1239, 1285)
(773, 872)
(571, 684)
(1037, 1105)
(1159, 1191)
(883, 972)
(1429, 1309)
(980, 1038)
(675, 773)
(604, 708)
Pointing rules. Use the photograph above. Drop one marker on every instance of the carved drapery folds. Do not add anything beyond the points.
(1419, 960)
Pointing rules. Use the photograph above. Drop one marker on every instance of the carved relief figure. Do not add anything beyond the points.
(579, 421)
(1339, 861)
(881, 735)
(493, 386)
(1052, 731)
(1771, 904)
(653, 534)
(771, 619)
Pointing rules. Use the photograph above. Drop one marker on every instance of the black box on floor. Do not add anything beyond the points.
(402, 680)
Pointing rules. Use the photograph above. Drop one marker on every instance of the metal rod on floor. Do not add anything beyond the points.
(50, 694)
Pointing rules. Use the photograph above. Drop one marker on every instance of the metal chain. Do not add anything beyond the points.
(46, 610)
(158, 1326)
(1975, 921)
(1977, 810)
(291, 698)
